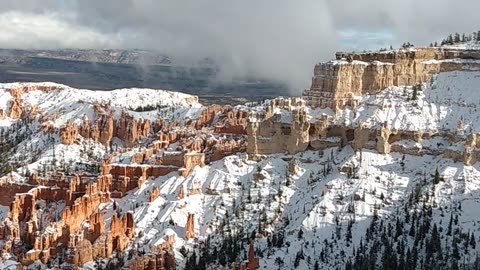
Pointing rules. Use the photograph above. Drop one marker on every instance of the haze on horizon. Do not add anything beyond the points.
(278, 40)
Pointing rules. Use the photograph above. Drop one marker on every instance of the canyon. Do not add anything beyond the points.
(150, 179)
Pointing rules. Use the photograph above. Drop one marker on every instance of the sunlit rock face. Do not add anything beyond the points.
(337, 83)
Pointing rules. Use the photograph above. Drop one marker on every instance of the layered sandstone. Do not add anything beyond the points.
(337, 83)
(129, 129)
(48, 234)
(190, 227)
(68, 133)
(160, 257)
(16, 110)
(283, 128)
(270, 133)
(63, 216)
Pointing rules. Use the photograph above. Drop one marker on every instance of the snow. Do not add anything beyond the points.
(73, 103)
(318, 199)
(56, 107)
(285, 116)
(463, 46)
(440, 106)
(454, 60)
(9, 265)
(345, 62)
(313, 201)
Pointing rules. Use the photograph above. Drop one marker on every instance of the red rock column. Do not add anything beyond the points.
(190, 227)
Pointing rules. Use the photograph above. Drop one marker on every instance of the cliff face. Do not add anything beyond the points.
(290, 126)
(335, 84)
(283, 128)
(68, 133)
(130, 129)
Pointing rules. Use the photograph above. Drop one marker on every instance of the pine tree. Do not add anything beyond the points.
(437, 177)
(412, 230)
(415, 93)
(300, 234)
(472, 241)
(457, 38)
(450, 224)
(348, 265)
(264, 217)
(279, 262)
(449, 40)
(260, 228)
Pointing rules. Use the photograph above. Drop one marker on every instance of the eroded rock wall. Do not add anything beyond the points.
(335, 84)
(283, 129)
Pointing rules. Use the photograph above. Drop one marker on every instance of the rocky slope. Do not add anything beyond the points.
(374, 168)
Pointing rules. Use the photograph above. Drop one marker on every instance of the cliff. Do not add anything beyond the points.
(339, 83)
(365, 100)
(282, 128)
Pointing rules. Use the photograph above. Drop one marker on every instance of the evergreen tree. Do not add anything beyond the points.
(449, 40)
(300, 234)
(450, 225)
(472, 240)
(415, 93)
(348, 266)
(457, 38)
(437, 177)
(279, 262)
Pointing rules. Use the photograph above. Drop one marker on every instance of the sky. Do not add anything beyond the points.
(270, 39)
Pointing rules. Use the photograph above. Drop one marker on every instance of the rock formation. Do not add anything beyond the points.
(181, 193)
(190, 227)
(68, 133)
(65, 229)
(154, 194)
(338, 83)
(283, 129)
(160, 257)
(16, 110)
(253, 262)
(130, 129)
(80, 225)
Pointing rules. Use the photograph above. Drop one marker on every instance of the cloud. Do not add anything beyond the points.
(32, 31)
(353, 40)
(271, 39)
(420, 22)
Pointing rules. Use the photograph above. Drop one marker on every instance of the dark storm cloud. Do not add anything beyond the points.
(274, 39)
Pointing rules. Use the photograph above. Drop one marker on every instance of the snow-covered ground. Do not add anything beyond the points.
(440, 105)
(317, 199)
(38, 150)
(322, 211)
(71, 103)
